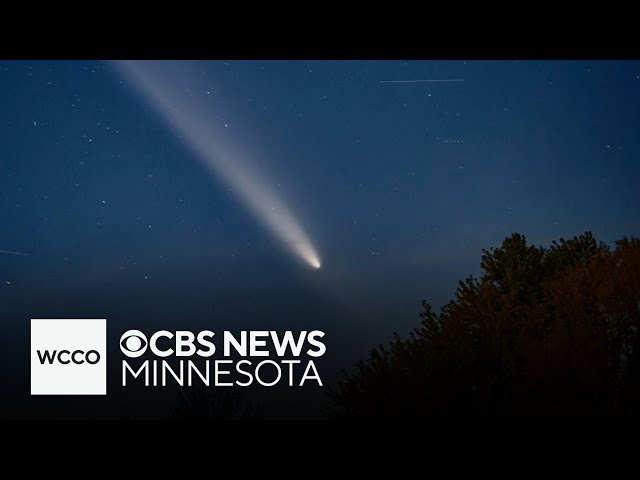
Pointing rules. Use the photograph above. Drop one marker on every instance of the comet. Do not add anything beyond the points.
(167, 87)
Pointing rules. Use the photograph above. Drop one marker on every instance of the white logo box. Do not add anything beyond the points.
(72, 358)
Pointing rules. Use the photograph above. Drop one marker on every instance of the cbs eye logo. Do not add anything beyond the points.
(133, 343)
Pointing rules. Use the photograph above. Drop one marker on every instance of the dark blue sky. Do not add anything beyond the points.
(399, 185)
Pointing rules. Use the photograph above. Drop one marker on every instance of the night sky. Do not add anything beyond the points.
(398, 185)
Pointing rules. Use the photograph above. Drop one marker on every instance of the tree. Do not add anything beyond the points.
(542, 331)
(214, 404)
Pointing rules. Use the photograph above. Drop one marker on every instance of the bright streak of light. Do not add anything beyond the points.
(185, 115)
(423, 81)
(9, 252)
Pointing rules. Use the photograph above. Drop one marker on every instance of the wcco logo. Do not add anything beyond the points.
(68, 357)
(77, 356)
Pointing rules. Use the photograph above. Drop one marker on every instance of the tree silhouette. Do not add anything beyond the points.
(214, 404)
(542, 331)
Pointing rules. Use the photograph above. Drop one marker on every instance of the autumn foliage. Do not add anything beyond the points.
(543, 331)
